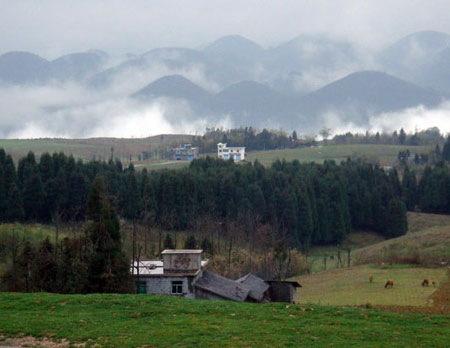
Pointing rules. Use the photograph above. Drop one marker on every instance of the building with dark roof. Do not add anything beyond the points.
(182, 273)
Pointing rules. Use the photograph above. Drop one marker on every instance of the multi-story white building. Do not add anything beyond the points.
(225, 152)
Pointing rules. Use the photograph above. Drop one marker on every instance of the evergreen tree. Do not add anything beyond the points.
(168, 243)
(446, 150)
(191, 242)
(409, 189)
(108, 269)
(397, 224)
(33, 196)
(402, 137)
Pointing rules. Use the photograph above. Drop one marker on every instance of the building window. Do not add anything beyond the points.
(177, 287)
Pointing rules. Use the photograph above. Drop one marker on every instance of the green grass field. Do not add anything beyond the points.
(351, 286)
(100, 148)
(427, 242)
(385, 155)
(156, 321)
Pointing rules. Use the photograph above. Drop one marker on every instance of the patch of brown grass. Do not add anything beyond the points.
(43, 342)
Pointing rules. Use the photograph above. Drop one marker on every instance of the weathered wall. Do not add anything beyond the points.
(182, 262)
(163, 285)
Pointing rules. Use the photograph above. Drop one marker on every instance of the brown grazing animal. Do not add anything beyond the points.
(389, 284)
(370, 279)
(425, 282)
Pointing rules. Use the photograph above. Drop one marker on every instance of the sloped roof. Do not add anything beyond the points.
(257, 286)
(222, 286)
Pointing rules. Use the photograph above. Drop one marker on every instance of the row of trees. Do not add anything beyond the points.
(303, 203)
(430, 136)
(271, 139)
(251, 138)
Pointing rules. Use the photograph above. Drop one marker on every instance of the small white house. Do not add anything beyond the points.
(225, 152)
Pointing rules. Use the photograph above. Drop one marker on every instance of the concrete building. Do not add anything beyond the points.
(185, 152)
(235, 153)
(174, 275)
(182, 273)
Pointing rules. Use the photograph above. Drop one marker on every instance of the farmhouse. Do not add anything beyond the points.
(182, 273)
(235, 153)
(185, 152)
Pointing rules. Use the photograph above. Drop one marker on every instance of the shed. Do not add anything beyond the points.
(283, 291)
(214, 286)
(258, 287)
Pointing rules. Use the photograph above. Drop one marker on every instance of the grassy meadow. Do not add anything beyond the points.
(351, 286)
(385, 155)
(427, 242)
(127, 321)
(100, 148)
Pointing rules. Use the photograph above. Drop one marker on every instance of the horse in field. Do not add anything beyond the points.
(389, 284)
(370, 279)
(425, 282)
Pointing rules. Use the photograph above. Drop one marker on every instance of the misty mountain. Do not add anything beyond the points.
(76, 66)
(252, 103)
(159, 62)
(436, 73)
(311, 52)
(355, 98)
(174, 86)
(415, 56)
(235, 50)
(359, 95)
(20, 68)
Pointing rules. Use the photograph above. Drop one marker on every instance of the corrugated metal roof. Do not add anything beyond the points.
(222, 286)
(257, 286)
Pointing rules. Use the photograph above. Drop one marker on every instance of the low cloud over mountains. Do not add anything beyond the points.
(305, 84)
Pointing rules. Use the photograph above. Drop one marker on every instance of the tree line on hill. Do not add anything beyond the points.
(255, 140)
(299, 204)
(304, 203)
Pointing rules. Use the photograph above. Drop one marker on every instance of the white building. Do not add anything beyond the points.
(225, 152)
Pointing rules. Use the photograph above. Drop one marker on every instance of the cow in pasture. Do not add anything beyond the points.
(425, 282)
(371, 279)
(389, 284)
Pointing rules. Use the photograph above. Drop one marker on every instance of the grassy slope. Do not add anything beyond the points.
(87, 148)
(350, 286)
(428, 236)
(156, 321)
(386, 155)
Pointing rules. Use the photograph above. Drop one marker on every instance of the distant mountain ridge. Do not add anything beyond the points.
(356, 97)
(27, 68)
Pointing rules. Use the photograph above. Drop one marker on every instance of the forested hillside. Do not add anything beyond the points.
(303, 204)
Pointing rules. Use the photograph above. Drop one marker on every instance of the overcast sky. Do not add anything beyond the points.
(54, 27)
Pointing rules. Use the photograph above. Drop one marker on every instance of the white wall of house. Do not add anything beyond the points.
(225, 152)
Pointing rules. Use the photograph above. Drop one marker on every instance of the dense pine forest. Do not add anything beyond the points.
(304, 204)
(296, 205)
